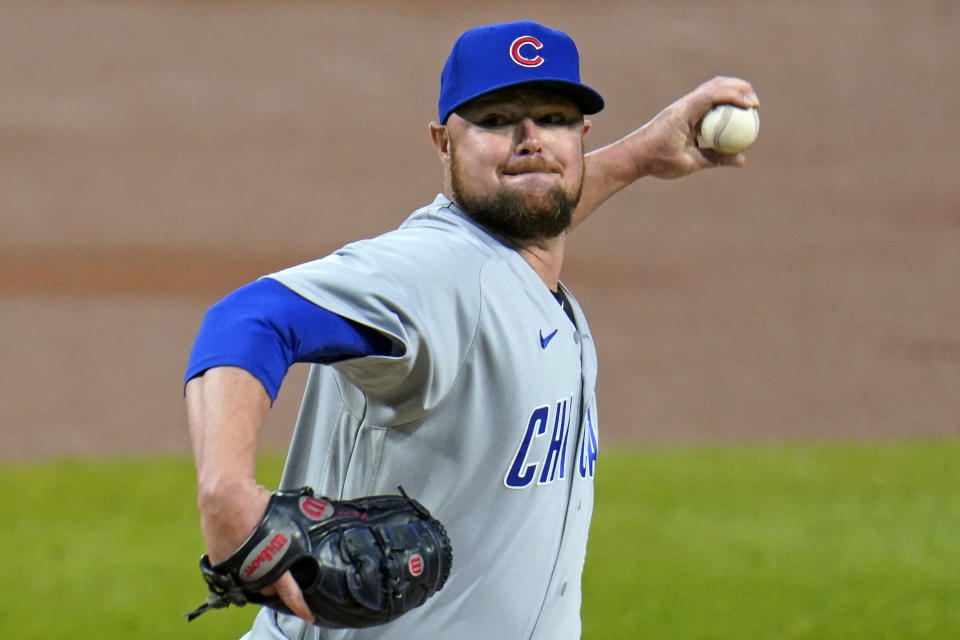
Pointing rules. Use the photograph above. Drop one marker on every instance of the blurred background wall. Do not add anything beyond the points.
(156, 155)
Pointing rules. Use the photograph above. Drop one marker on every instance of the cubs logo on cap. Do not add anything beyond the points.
(519, 58)
(498, 56)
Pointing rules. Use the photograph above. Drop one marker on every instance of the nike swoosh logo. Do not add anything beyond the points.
(545, 341)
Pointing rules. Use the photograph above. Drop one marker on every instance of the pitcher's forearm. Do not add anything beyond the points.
(606, 171)
(225, 410)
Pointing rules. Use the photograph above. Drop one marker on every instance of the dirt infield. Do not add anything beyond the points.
(156, 155)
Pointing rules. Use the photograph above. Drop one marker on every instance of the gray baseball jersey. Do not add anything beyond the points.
(485, 412)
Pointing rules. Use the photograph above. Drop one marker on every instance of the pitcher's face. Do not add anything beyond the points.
(516, 161)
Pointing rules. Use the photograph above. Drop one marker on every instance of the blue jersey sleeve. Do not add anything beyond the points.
(264, 327)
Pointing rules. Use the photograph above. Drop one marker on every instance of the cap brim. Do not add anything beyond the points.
(588, 100)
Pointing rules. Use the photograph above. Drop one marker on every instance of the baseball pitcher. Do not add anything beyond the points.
(439, 483)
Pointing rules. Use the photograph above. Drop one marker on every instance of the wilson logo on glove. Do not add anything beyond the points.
(264, 556)
(415, 564)
(316, 509)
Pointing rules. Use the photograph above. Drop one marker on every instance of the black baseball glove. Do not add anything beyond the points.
(359, 562)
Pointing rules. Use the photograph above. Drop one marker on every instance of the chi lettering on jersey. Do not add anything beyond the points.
(549, 466)
(588, 449)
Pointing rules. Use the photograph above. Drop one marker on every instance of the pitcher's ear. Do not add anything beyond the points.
(441, 139)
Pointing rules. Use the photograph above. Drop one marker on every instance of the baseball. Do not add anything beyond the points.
(728, 129)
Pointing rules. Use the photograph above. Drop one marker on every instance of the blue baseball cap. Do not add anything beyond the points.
(498, 56)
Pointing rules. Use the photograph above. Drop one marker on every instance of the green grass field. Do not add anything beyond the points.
(754, 541)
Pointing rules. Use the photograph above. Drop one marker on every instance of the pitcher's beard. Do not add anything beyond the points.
(514, 215)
